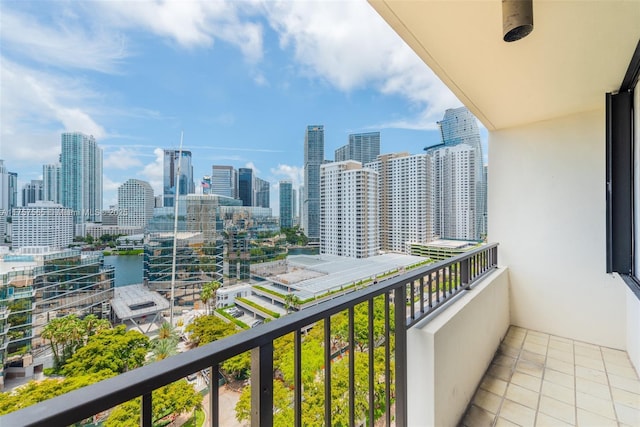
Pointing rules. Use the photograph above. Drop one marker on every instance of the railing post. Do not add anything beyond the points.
(214, 413)
(400, 314)
(464, 273)
(145, 415)
(262, 386)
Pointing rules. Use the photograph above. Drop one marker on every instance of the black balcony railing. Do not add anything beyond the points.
(408, 298)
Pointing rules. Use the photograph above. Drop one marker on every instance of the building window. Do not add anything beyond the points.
(623, 177)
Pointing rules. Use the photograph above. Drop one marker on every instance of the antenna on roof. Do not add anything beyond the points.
(175, 233)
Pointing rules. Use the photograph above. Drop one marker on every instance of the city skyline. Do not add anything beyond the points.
(138, 84)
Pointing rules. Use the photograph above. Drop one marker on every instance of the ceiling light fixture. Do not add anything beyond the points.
(517, 19)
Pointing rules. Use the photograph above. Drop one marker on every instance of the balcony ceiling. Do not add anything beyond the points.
(578, 51)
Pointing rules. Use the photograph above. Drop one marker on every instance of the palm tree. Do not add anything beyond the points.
(163, 348)
(166, 331)
(208, 294)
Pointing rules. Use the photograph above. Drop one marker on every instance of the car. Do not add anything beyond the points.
(192, 377)
(256, 323)
(238, 313)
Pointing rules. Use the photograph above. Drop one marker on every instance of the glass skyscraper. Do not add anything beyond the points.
(187, 186)
(245, 186)
(81, 176)
(362, 147)
(51, 182)
(262, 189)
(313, 159)
(286, 204)
(224, 181)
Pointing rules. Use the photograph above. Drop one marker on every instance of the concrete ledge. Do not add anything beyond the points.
(448, 355)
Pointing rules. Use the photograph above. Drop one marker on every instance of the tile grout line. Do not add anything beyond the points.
(606, 374)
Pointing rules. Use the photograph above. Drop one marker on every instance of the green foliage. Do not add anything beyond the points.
(232, 319)
(168, 401)
(209, 328)
(113, 350)
(258, 307)
(295, 236)
(208, 294)
(282, 407)
(163, 348)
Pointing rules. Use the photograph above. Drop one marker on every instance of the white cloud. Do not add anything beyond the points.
(350, 46)
(252, 165)
(123, 158)
(66, 43)
(190, 23)
(153, 172)
(293, 173)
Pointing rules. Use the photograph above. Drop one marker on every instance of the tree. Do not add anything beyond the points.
(116, 350)
(291, 300)
(167, 402)
(208, 294)
(209, 328)
(166, 331)
(163, 348)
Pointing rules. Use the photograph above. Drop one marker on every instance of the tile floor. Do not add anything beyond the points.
(538, 379)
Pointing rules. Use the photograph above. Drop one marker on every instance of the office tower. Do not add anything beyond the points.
(362, 147)
(51, 182)
(81, 176)
(13, 191)
(170, 179)
(286, 204)
(348, 210)
(294, 207)
(110, 217)
(42, 223)
(313, 158)
(135, 203)
(206, 184)
(262, 190)
(245, 186)
(406, 199)
(458, 177)
(4, 189)
(224, 181)
(32, 192)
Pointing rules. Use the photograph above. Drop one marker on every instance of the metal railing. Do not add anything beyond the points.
(408, 298)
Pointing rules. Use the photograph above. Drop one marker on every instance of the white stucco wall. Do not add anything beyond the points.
(633, 329)
(448, 356)
(547, 211)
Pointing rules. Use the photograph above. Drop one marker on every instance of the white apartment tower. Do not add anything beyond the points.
(42, 223)
(348, 210)
(51, 182)
(406, 199)
(135, 203)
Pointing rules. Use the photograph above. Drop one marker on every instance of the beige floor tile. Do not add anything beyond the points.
(564, 346)
(514, 342)
(537, 340)
(614, 355)
(589, 419)
(494, 385)
(487, 401)
(532, 357)
(560, 339)
(629, 384)
(501, 422)
(591, 375)
(560, 366)
(530, 368)
(517, 413)
(586, 345)
(527, 381)
(565, 356)
(558, 392)
(537, 334)
(535, 348)
(590, 362)
(557, 409)
(544, 420)
(502, 372)
(522, 396)
(597, 405)
(625, 397)
(621, 371)
(508, 350)
(559, 378)
(477, 417)
(594, 389)
(628, 415)
(616, 359)
(587, 352)
(504, 360)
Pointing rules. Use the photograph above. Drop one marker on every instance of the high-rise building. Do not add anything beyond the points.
(206, 184)
(32, 192)
(224, 181)
(313, 159)
(4, 188)
(135, 203)
(42, 223)
(81, 176)
(173, 162)
(245, 186)
(13, 190)
(406, 192)
(286, 204)
(362, 147)
(460, 201)
(51, 182)
(294, 207)
(262, 193)
(301, 212)
(348, 210)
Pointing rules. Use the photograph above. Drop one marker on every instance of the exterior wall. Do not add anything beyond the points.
(547, 210)
(633, 328)
(448, 356)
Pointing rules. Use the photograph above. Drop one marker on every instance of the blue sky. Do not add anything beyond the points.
(241, 79)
